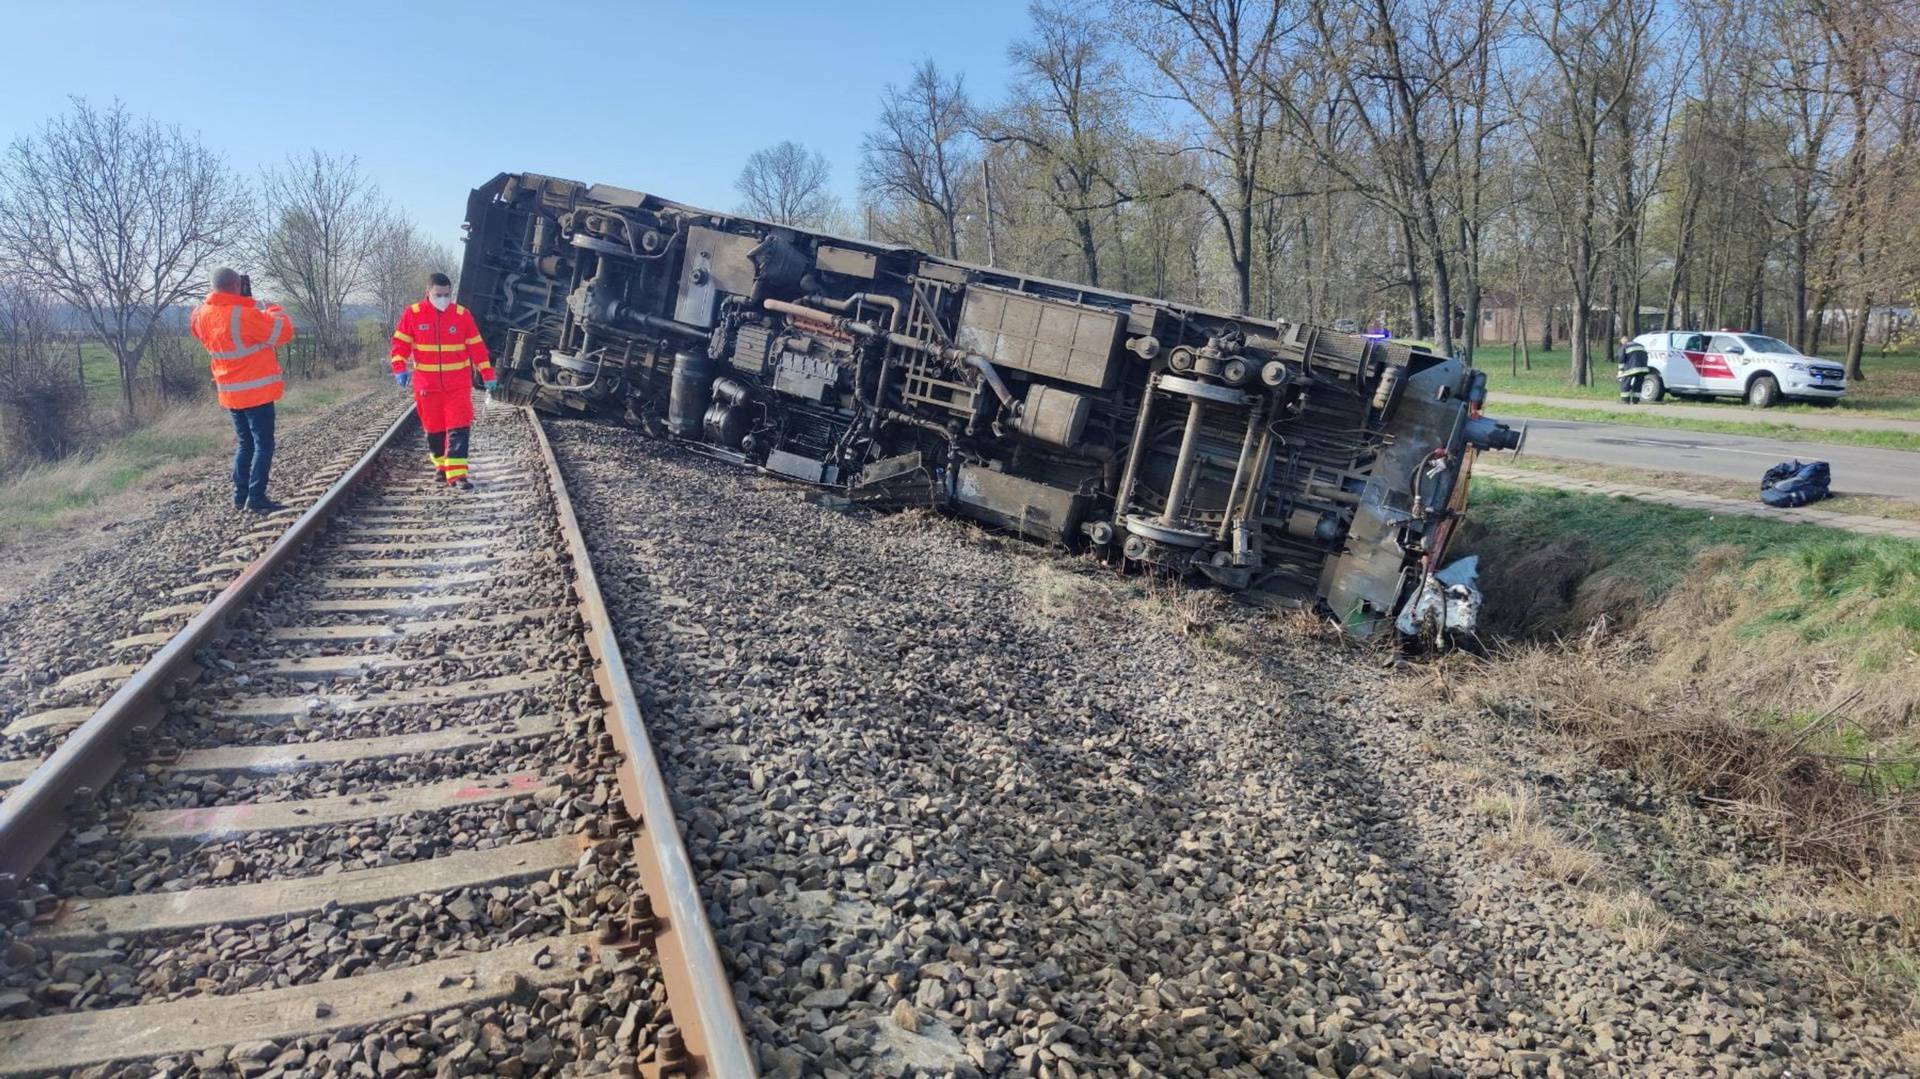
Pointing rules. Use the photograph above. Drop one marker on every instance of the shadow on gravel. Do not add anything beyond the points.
(950, 818)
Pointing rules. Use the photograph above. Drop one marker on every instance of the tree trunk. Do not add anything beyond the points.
(1442, 303)
(1578, 367)
(1857, 340)
(1526, 354)
(1797, 292)
(126, 386)
(1243, 257)
(1415, 312)
(1089, 252)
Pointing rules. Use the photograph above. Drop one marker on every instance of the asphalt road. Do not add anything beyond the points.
(1856, 469)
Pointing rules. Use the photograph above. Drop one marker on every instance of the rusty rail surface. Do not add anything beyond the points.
(698, 989)
(35, 813)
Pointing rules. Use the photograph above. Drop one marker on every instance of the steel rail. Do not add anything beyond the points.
(36, 813)
(699, 993)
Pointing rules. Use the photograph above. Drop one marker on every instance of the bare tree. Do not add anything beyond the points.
(322, 223)
(1217, 58)
(920, 160)
(787, 185)
(1590, 49)
(398, 266)
(118, 217)
(1066, 112)
(1874, 77)
(1410, 79)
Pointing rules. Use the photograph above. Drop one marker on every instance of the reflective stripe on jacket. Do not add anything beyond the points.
(444, 346)
(240, 336)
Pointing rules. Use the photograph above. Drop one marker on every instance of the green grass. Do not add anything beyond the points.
(1891, 389)
(1648, 417)
(1660, 542)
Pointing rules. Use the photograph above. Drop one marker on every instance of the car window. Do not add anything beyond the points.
(1726, 342)
(1694, 342)
(1762, 343)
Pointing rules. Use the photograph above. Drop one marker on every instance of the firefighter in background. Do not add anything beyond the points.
(240, 335)
(442, 340)
(1633, 369)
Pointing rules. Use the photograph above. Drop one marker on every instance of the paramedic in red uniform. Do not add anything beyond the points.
(442, 340)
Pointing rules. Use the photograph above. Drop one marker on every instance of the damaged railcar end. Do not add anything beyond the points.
(1283, 461)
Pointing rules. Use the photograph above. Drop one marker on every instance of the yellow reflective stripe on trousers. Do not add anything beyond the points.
(461, 366)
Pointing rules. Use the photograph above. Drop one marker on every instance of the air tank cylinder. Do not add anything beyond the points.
(687, 400)
(726, 422)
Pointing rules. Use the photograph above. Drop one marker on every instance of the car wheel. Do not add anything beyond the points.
(1652, 389)
(1763, 391)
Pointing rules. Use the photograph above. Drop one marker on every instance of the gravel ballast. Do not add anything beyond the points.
(607, 1011)
(964, 806)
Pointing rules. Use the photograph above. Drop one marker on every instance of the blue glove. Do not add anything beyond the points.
(402, 378)
(490, 384)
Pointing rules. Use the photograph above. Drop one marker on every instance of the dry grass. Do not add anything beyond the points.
(1641, 923)
(1527, 836)
(1767, 776)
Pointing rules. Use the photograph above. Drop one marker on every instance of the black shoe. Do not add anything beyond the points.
(463, 483)
(265, 506)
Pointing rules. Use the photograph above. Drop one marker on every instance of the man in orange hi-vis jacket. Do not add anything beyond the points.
(240, 335)
(442, 340)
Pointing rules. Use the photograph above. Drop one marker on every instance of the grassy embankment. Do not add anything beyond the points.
(1770, 669)
(1773, 666)
(182, 444)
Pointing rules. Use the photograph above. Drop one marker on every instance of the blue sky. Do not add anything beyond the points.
(434, 99)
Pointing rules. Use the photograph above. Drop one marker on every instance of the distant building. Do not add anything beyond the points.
(1500, 320)
(1885, 325)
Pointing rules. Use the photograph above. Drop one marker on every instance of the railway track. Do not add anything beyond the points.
(385, 805)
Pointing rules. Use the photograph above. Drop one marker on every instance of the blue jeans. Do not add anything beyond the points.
(252, 452)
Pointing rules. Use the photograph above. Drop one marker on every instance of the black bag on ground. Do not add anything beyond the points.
(1795, 483)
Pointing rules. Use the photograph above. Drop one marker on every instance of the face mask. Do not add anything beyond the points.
(440, 302)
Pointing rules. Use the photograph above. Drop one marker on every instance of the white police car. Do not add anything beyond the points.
(1758, 368)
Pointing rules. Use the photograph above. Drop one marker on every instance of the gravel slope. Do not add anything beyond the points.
(962, 807)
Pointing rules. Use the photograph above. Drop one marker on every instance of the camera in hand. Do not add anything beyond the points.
(246, 285)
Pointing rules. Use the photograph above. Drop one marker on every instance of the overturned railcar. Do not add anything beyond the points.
(1285, 461)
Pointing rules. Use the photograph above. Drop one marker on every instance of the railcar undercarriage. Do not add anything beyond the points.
(1284, 461)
